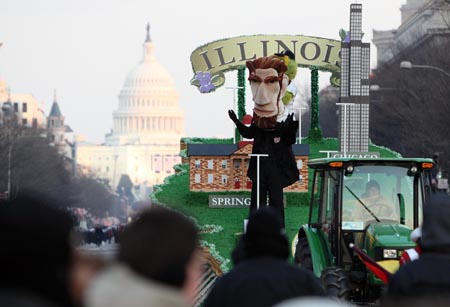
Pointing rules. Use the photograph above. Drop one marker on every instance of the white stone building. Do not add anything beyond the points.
(420, 19)
(27, 110)
(147, 126)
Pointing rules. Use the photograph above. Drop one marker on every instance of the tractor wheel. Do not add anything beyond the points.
(303, 254)
(335, 282)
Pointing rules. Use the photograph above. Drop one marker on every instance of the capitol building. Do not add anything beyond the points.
(147, 126)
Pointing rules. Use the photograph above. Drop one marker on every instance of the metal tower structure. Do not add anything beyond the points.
(354, 89)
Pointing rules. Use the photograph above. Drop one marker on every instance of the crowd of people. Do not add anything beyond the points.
(159, 263)
(96, 230)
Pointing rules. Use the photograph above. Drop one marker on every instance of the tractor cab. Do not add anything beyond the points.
(371, 203)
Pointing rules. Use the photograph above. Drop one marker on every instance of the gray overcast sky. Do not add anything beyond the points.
(85, 48)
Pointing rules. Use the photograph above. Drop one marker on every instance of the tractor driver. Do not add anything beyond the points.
(375, 202)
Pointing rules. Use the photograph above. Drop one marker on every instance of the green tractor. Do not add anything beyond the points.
(345, 209)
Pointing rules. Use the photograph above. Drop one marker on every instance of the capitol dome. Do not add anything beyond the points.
(149, 111)
(148, 73)
(148, 124)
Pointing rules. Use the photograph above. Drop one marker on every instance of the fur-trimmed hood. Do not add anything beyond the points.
(119, 286)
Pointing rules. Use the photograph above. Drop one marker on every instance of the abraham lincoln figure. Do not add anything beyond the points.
(268, 83)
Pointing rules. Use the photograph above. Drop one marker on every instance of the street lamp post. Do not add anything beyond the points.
(345, 104)
(257, 175)
(376, 88)
(257, 183)
(43, 135)
(300, 123)
(409, 65)
(234, 88)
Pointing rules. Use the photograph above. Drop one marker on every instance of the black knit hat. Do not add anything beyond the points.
(265, 235)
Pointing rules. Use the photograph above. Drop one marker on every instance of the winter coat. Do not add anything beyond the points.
(262, 282)
(119, 286)
(277, 143)
(427, 276)
(430, 274)
(19, 298)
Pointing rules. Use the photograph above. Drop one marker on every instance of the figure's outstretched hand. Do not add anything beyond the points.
(232, 115)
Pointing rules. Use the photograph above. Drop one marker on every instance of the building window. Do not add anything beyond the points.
(237, 163)
(157, 164)
(107, 169)
(16, 107)
(247, 162)
(24, 107)
(197, 164)
(224, 179)
(210, 164)
(24, 121)
(300, 179)
(224, 164)
(197, 178)
(210, 178)
(299, 164)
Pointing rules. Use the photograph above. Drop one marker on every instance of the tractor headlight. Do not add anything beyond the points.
(390, 253)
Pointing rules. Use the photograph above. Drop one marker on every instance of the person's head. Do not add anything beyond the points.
(265, 235)
(161, 245)
(372, 188)
(436, 224)
(36, 250)
(268, 83)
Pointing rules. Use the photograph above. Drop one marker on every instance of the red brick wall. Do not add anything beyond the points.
(217, 171)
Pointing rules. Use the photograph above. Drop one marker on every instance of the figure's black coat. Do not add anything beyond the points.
(279, 169)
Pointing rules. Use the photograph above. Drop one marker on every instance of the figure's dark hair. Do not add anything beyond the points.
(159, 245)
(267, 62)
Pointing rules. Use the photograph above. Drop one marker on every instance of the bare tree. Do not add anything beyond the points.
(95, 195)
(29, 164)
(328, 119)
(411, 112)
